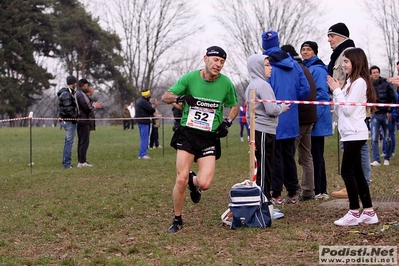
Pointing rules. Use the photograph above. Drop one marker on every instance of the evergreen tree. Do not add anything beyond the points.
(25, 32)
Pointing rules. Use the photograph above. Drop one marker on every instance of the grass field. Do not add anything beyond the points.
(117, 212)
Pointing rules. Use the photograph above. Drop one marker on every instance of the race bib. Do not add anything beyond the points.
(200, 118)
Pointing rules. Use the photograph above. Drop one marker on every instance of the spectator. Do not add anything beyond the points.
(177, 113)
(392, 128)
(132, 111)
(323, 127)
(85, 108)
(90, 92)
(144, 112)
(307, 117)
(357, 88)
(382, 117)
(266, 114)
(68, 112)
(289, 83)
(243, 121)
(156, 122)
(126, 114)
(338, 37)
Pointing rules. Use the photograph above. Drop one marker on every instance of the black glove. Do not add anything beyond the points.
(223, 129)
(188, 98)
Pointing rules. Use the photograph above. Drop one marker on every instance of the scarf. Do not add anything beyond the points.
(337, 51)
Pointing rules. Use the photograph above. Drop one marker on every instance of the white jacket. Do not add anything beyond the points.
(351, 125)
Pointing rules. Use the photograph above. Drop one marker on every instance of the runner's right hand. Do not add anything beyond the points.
(188, 98)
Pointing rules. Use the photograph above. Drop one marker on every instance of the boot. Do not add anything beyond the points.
(341, 194)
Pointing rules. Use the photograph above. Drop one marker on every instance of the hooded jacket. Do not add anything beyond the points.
(289, 83)
(266, 114)
(323, 126)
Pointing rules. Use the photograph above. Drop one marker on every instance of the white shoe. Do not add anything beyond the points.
(382, 155)
(348, 220)
(322, 196)
(367, 218)
(145, 157)
(325, 196)
(375, 163)
(386, 162)
(242, 139)
(277, 214)
(84, 165)
(393, 154)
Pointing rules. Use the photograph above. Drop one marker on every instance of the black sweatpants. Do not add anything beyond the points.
(264, 153)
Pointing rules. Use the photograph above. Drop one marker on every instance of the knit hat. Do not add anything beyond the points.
(83, 81)
(312, 45)
(339, 29)
(70, 80)
(270, 40)
(216, 51)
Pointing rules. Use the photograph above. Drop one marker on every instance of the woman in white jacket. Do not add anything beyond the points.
(354, 133)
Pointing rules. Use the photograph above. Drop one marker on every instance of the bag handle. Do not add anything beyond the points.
(245, 184)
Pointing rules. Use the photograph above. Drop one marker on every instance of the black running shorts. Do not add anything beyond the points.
(197, 142)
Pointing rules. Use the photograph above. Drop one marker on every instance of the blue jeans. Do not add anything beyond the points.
(144, 130)
(392, 129)
(70, 133)
(377, 121)
(365, 158)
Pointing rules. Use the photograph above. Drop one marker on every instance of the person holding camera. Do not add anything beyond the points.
(203, 93)
(85, 107)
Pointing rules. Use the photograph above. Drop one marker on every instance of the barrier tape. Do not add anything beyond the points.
(81, 119)
(327, 103)
(255, 101)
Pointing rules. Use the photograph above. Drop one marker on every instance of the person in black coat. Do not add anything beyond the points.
(85, 107)
(144, 112)
(382, 117)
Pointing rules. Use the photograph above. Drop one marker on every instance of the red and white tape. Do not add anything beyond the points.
(326, 103)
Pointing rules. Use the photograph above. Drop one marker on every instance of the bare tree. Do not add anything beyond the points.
(246, 20)
(386, 17)
(150, 31)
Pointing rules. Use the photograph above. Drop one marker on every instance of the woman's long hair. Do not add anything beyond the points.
(360, 69)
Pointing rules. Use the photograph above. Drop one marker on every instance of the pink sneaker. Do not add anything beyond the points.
(349, 219)
(369, 217)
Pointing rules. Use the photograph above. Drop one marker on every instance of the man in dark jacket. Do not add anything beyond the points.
(68, 113)
(144, 112)
(307, 117)
(323, 127)
(86, 107)
(382, 117)
(289, 83)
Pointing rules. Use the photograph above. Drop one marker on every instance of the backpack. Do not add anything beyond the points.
(248, 207)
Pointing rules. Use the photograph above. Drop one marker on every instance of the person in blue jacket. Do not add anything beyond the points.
(323, 127)
(289, 83)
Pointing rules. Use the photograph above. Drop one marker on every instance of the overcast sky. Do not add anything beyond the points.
(350, 12)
